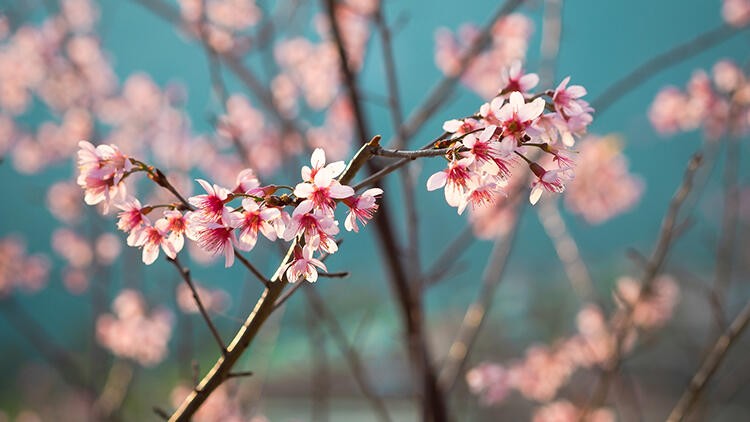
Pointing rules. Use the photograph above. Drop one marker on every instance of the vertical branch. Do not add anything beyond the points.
(433, 403)
(476, 313)
(567, 250)
(725, 248)
(710, 365)
(185, 273)
(551, 36)
(652, 269)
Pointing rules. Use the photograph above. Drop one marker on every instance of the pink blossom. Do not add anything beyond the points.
(564, 411)
(549, 180)
(603, 187)
(247, 182)
(486, 150)
(514, 79)
(323, 191)
(517, 116)
(132, 220)
(177, 226)
(482, 192)
(151, 238)
(361, 208)
(216, 237)
(131, 332)
(490, 381)
(101, 170)
(211, 204)
(304, 264)
(312, 225)
(19, 269)
(652, 308)
(736, 12)
(318, 162)
(256, 218)
(455, 179)
(214, 300)
(567, 99)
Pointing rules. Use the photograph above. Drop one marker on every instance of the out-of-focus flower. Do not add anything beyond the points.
(603, 186)
(132, 332)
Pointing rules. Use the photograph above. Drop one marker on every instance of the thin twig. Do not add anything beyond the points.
(652, 269)
(710, 365)
(185, 273)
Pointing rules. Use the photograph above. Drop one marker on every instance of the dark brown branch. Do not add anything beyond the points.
(185, 274)
(710, 365)
(660, 62)
(223, 366)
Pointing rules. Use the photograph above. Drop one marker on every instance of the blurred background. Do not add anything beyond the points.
(89, 70)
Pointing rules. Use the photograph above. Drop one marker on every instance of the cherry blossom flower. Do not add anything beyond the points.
(323, 191)
(517, 116)
(216, 237)
(455, 179)
(177, 226)
(318, 162)
(485, 150)
(132, 220)
(133, 333)
(361, 208)
(210, 205)
(151, 238)
(490, 381)
(736, 12)
(482, 192)
(313, 225)
(549, 180)
(256, 218)
(603, 186)
(650, 309)
(567, 99)
(101, 170)
(513, 79)
(303, 265)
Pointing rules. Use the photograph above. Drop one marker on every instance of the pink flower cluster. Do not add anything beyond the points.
(719, 102)
(483, 149)
(736, 12)
(218, 227)
(133, 333)
(20, 270)
(603, 186)
(510, 39)
(545, 369)
(220, 22)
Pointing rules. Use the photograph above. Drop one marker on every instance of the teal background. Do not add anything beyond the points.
(602, 41)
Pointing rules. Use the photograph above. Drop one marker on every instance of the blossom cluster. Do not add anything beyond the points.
(132, 332)
(220, 227)
(483, 149)
(719, 102)
(545, 369)
(19, 269)
(736, 12)
(510, 39)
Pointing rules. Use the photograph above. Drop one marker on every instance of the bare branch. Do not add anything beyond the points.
(710, 365)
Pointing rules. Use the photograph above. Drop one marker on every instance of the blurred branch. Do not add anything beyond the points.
(652, 269)
(476, 313)
(185, 274)
(660, 62)
(730, 213)
(551, 36)
(710, 365)
(567, 250)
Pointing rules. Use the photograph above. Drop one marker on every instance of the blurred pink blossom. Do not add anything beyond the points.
(132, 332)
